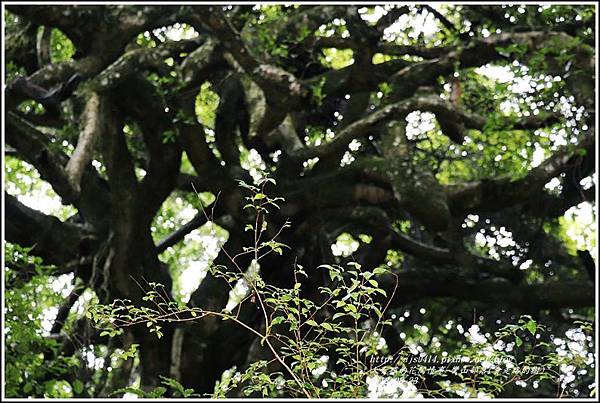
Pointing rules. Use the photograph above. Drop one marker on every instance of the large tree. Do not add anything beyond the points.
(445, 142)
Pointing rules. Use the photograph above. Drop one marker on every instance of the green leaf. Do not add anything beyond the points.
(77, 386)
(518, 341)
(350, 308)
(158, 392)
(380, 270)
(338, 315)
(356, 265)
(382, 292)
(326, 326)
(531, 326)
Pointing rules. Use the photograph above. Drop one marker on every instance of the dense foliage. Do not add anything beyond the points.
(299, 201)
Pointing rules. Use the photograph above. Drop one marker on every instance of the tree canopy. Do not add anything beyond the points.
(299, 200)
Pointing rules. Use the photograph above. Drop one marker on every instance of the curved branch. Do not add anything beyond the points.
(54, 241)
(498, 193)
(280, 87)
(34, 147)
(140, 59)
(65, 308)
(415, 285)
(179, 234)
(46, 84)
(397, 111)
(141, 101)
(391, 17)
(93, 124)
(43, 47)
(202, 158)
